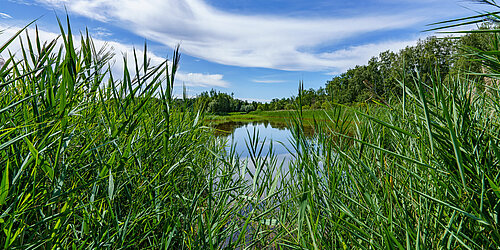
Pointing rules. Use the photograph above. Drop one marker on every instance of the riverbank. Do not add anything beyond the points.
(278, 116)
(338, 118)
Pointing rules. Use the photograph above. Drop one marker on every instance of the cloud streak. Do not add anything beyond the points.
(5, 15)
(120, 50)
(205, 32)
(349, 57)
(202, 80)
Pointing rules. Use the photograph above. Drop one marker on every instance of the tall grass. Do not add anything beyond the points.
(91, 160)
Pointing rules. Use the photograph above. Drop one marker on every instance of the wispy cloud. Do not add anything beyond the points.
(268, 81)
(121, 50)
(205, 32)
(202, 80)
(344, 59)
(24, 2)
(101, 32)
(5, 15)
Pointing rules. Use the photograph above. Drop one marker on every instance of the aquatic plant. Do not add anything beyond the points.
(92, 160)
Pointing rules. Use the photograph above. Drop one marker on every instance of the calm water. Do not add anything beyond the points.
(238, 133)
(276, 132)
(279, 135)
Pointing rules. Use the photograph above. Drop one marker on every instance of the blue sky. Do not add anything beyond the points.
(256, 49)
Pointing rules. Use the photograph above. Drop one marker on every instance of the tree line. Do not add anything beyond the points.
(380, 80)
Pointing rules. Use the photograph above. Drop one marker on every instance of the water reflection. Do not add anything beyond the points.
(228, 128)
(237, 137)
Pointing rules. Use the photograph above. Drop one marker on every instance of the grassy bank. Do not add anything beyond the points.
(312, 121)
(280, 116)
(90, 161)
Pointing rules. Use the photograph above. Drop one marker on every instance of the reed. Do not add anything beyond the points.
(91, 160)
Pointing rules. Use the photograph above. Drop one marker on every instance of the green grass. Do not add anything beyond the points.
(90, 160)
(279, 116)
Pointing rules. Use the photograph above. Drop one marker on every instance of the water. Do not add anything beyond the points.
(270, 130)
(239, 134)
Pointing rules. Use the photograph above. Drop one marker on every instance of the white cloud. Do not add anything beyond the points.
(5, 15)
(24, 2)
(101, 33)
(358, 55)
(242, 40)
(201, 80)
(120, 50)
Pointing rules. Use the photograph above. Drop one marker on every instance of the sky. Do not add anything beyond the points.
(256, 49)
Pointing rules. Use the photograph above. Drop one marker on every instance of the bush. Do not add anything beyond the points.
(248, 108)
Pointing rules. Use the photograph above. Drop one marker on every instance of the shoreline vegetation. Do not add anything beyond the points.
(278, 116)
(224, 124)
(377, 82)
(90, 160)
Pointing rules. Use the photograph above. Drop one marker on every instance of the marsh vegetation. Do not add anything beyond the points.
(89, 160)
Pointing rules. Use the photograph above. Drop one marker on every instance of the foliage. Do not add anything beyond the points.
(221, 103)
(94, 162)
(88, 161)
(379, 79)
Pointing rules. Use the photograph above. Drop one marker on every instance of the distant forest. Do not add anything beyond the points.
(380, 80)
